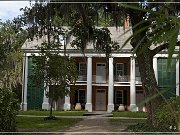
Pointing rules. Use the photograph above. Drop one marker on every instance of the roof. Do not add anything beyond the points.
(117, 34)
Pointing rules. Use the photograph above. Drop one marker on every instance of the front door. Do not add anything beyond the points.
(100, 100)
(101, 73)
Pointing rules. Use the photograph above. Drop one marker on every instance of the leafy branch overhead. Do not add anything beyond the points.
(160, 28)
(80, 19)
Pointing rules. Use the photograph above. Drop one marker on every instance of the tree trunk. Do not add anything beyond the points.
(145, 62)
(50, 115)
(149, 83)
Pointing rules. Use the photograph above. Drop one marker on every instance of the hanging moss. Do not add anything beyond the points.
(9, 109)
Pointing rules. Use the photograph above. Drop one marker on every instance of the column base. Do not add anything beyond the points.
(88, 107)
(67, 106)
(110, 107)
(24, 106)
(133, 108)
(45, 106)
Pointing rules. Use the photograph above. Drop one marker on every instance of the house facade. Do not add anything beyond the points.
(104, 83)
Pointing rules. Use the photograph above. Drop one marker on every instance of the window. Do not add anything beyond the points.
(119, 97)
(121, 69)
(81, 96)
(120, 72)
(82, 69)
(101, 64)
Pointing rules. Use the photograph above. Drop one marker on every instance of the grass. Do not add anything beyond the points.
(36, 124)
(126, 122)
(130, 114)
(122, 125)
(55, 113)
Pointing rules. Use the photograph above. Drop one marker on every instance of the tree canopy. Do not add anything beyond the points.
(54, 71)
(11, 40)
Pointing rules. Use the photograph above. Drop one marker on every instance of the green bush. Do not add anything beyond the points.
(166, 117)
(8, 110)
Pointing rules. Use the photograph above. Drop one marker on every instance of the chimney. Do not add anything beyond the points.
(126, 22)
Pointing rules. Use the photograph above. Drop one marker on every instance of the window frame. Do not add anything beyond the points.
(122, 98)
(80, 69)
(79, 95)
(123, 71)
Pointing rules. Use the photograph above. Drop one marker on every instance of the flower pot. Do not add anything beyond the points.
(78, 106)
(144, 109)
(121, 107)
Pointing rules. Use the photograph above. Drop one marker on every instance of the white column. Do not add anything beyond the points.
(110, 106)
(24, 84)
(89, 85)
(45, 104)
(133, 106)
(155, 68)
(177, 77)
(67, 104)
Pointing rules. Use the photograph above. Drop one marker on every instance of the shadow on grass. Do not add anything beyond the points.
(36, 124)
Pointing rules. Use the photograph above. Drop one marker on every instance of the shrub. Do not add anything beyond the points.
(8, 110)
(166, 117)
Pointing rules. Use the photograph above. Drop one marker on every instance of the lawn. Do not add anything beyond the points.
(36, 124)
(130, 114)
(56, 113)
(126, 122)
(122, 125)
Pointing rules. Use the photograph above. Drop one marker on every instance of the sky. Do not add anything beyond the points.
(10, 9)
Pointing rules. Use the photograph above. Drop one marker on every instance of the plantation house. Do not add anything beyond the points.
(104, 83)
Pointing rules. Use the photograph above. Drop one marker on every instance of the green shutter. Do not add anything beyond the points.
(34, 94)
(167, 77)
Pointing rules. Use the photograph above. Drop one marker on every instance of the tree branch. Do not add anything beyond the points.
(162, 47)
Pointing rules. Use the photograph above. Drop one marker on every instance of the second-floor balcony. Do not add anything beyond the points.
(104, 79)
(82, 78)
(124, 78)
(99, 79)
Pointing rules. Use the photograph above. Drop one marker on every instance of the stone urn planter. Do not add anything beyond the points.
(78, 106)
(144, 109)
(121, 107)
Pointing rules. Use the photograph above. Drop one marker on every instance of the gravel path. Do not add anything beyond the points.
(94, 125)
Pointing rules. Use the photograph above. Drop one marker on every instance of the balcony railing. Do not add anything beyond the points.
(138, 80)
(103, 79)
(82, 78)
(124, 78)
(99, 79)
